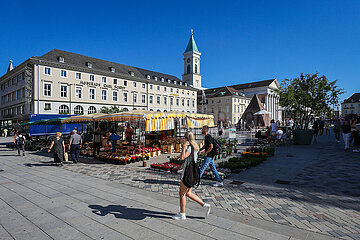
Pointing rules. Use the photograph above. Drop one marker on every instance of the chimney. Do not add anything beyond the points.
(11, 67)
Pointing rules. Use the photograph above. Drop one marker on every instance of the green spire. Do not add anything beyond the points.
(191, 47)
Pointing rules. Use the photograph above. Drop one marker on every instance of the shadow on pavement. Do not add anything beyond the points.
(157, 181)
(124, 212)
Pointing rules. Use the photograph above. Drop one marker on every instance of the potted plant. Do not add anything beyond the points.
(305, 97)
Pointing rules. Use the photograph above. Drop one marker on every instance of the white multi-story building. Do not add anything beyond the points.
(61, 82)
(351, 105)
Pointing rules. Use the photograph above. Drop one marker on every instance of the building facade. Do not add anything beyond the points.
(61, 82)
(226, 104)
(266, 91)
(351, 105)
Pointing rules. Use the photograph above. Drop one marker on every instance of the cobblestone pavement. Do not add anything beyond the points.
(321, 191)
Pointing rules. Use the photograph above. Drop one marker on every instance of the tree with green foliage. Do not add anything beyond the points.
(309, 95)
(112, 109)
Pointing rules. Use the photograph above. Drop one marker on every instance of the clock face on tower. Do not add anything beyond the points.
(188, 60)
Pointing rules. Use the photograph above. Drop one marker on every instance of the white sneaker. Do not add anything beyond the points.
(179, 216)
(355, 150)
(219, 184)
(207, 209)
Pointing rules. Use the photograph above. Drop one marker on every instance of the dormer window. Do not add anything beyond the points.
(112, 69)
(132, 73)
(148, 76)
(155, 78)
(174, 82)
(162, 79)
(61, 59)
(169, 81)
(180, 83)
(89, 65)
(185, 84)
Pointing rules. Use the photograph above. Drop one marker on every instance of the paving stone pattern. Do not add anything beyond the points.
(323, 194)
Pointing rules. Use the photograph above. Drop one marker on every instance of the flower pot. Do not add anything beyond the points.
(303, 136)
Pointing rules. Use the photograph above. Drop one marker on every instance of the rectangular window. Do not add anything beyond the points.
(47, 71)
(78, 92)
(151, 86)
(158, 100)
(134, 84)
(125, 83)
(47, 89)
(171, 89)
(158, 88)
(92, 93)
(143, 85)
(47, 106)
(92, 78)
(78, 75)
(164, 89)
(115, 96)
(188, 102)
(227, 108)
(183, 102)
(63, 73)
(143, 98)
(134, 97)
(171, 101)
(115, 81)
(165, 100)
(104, 95)
(177, 102)
(125, 96)
(151, 99)
(193, 103)
(63, 91)
(103, 79)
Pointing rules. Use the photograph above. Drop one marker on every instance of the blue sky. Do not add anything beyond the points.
(240, 41)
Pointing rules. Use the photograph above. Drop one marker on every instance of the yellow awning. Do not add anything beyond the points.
(82, 118)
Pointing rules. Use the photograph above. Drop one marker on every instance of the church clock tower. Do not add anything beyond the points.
(192, 55)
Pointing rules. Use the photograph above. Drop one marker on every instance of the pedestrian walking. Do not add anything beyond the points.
(346, 133)
(20, 142)
(316, 129)
(129, 133)
(97, 141)
(5, 132)
(355, 135)
(327, 128)
(75, 145)
(337, 126)
(209, 157)
(59, 149)
(220, 129)
(189, 153)
(321, 126)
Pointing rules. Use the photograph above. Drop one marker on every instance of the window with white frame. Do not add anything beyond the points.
(164, 89)
(78, 75)
(177, 102)
(188, 102)
(47, 89)
(183, 102)
(158, 100)
(47, 106)
(125, 83)
(143, 85)
(155, 78)
(227, 108)
(78, 92)
(64, 109)
(103, 79)
(78, 110)
(115, 96)
(171, 89)
(125, 96)
(165, 100)
(63, 73)
(63, 91)
(134, 84)
(193, 103)
(143, 98)
(151, 86)
(104, 94)
(92, 93)
(91, 78)
(171, 101)
(115, 81)
(151, 99)
(158, 88)
(47, 71)
(134, 97)
(91, 110)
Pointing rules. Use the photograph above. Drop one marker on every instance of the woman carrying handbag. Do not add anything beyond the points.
(189, 153)
(59, 149)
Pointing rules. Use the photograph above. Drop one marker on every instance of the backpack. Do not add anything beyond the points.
(20, 140)
(192, 174)
(217, 149)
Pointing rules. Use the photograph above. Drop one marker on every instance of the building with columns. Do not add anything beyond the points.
(266, 92)
(62, 82)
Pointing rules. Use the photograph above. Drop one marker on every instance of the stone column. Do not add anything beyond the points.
(267, 102)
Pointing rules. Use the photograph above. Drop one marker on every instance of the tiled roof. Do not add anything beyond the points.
(354, 98)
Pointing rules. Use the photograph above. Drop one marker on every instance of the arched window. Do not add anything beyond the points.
(78, 110)
(125, 110)
(91, 110)
(195, 68)
(158, 110)
(188, 69)
(165, 110)
(63, 109)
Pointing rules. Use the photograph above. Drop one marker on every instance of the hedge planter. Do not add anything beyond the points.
(303, 137)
